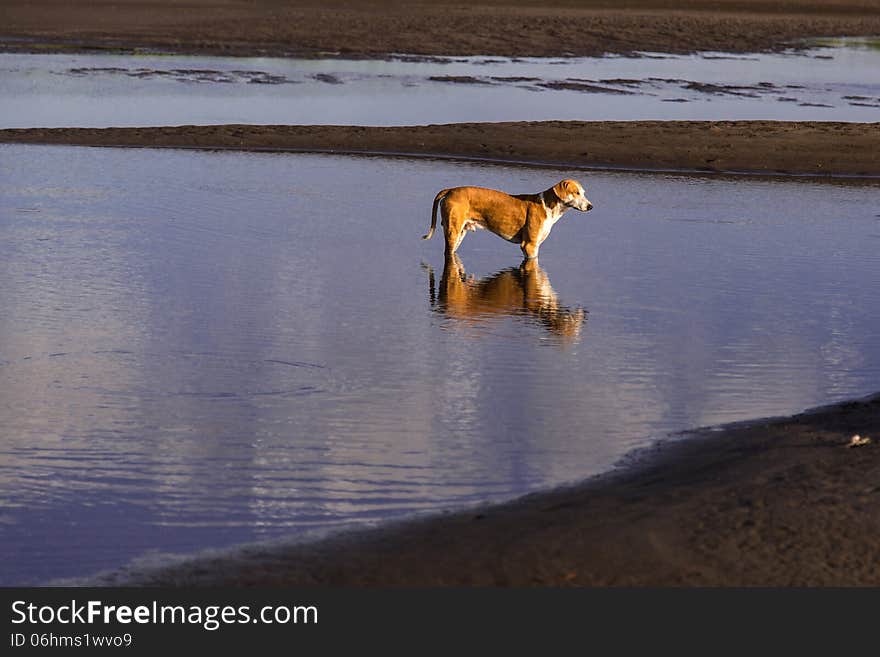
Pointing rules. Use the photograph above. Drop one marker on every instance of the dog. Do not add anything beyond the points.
(523, 292)
(525, 219)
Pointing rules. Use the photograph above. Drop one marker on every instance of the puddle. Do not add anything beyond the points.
(834, 82)
(203, 349)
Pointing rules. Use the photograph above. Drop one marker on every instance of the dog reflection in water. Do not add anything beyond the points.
(522, 291)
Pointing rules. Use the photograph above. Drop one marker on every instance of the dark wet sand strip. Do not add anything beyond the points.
(376, 28)
(815, 148)
(780, 503)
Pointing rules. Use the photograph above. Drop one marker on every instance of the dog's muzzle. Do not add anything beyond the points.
(579, 204)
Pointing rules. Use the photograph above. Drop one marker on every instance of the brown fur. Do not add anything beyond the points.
(524, 219)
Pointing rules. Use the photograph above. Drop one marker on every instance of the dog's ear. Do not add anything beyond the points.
(565, 189)
(560, 191)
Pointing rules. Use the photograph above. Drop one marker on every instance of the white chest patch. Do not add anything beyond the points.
(552, 217)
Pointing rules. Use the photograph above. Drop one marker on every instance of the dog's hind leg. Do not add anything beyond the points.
(453, 231)
(460, 239)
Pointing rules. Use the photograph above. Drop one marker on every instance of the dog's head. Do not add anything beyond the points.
(572, 193)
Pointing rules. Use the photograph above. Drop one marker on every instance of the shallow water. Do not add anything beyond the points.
(200, 349)
(836, 83)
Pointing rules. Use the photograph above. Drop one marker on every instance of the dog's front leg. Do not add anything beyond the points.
(529, 249)
(531, 237)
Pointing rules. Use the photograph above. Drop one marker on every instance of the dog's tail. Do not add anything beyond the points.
(440, 195)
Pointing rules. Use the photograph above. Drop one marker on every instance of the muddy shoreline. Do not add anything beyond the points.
(775, 502)
(822, 149)
(377, 28)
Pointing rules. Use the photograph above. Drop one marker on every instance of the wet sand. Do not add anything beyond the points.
(375, 28)
(771, 503)
(826, 149)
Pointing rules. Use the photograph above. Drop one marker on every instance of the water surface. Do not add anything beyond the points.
(838, 82)
(199, 349)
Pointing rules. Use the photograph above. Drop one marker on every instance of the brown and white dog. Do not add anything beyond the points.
(524, 219)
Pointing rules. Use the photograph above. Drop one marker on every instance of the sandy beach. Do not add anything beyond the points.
(375, 28)
(824, 149)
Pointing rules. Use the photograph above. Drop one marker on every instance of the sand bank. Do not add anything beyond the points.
(375, 28)
(826, 149)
